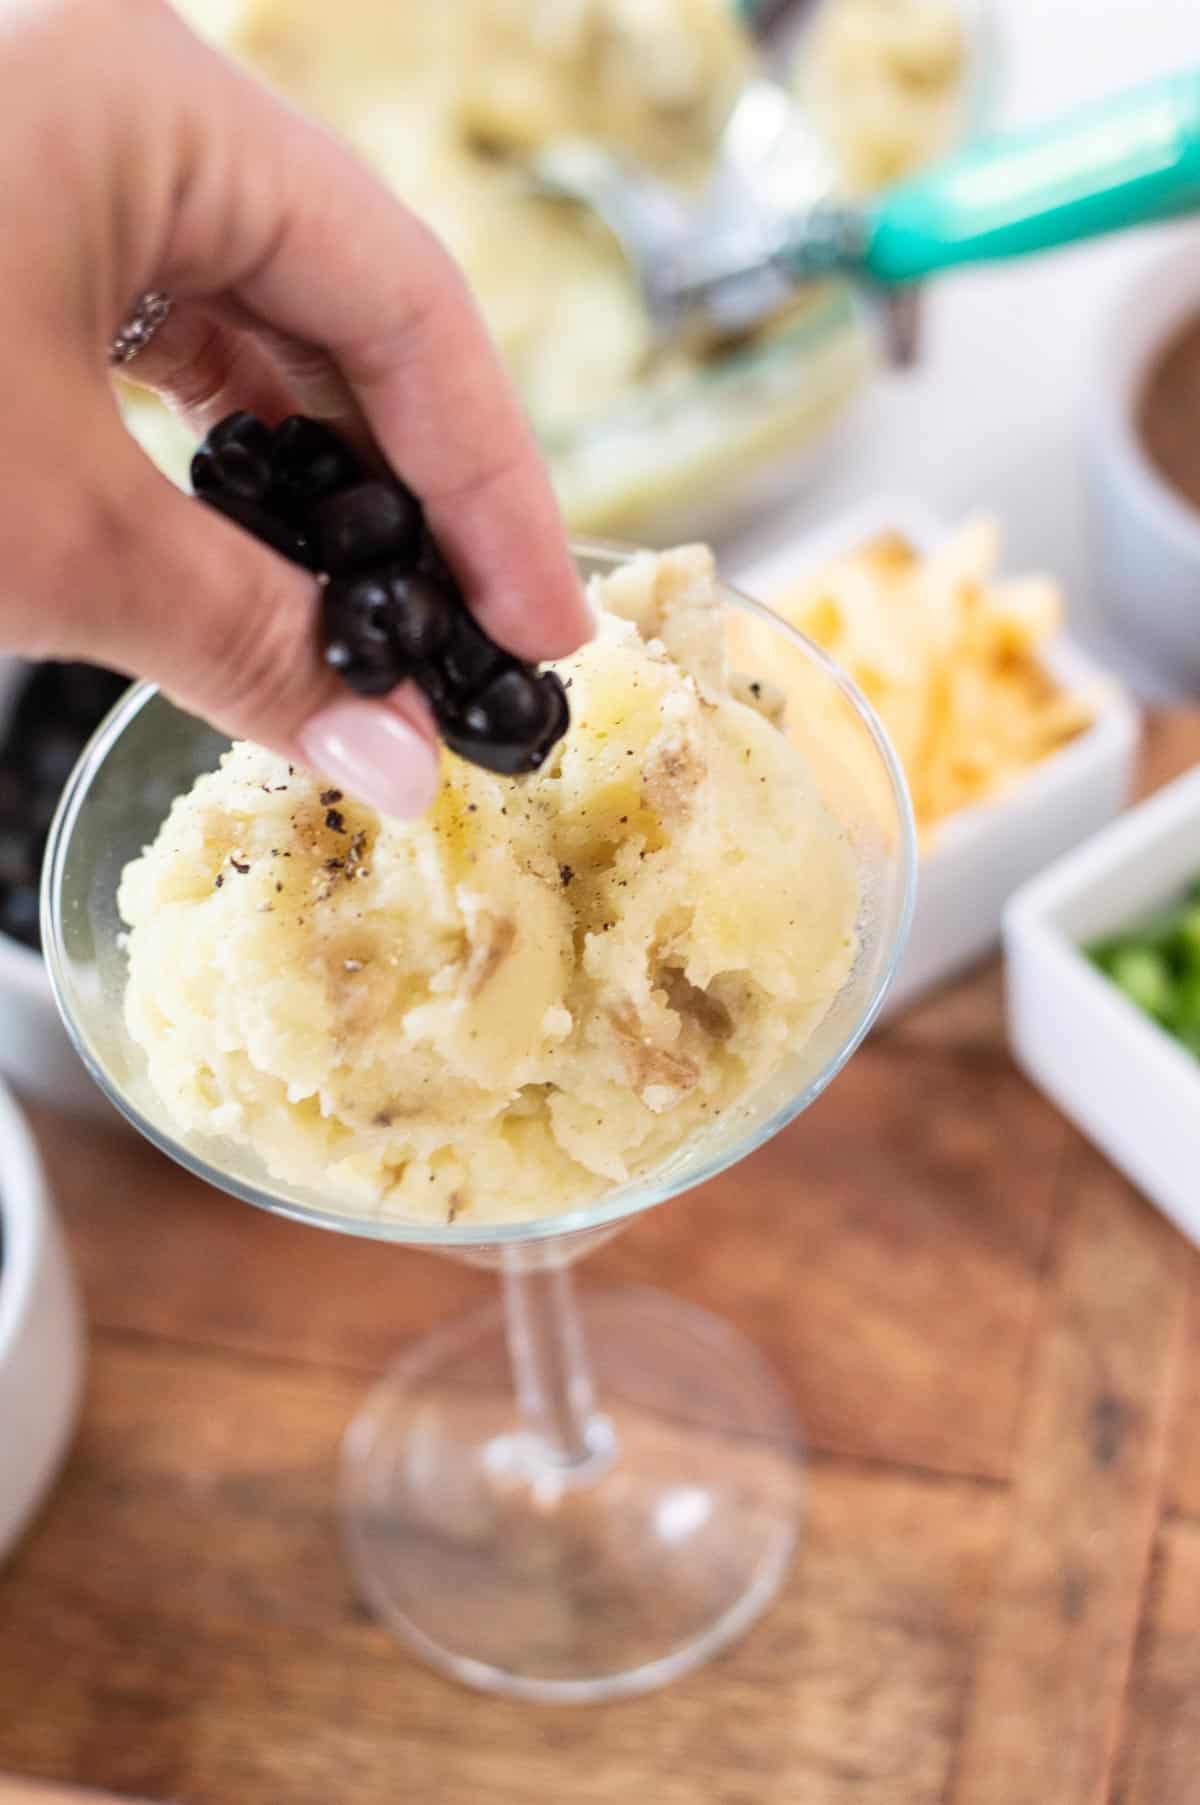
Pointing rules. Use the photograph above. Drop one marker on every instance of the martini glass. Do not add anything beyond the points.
(559, 1500)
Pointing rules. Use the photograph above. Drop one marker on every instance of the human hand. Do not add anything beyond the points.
(140, 160)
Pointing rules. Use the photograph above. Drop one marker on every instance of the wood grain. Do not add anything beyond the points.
(1170, 746)
(803, 1241)
(1161, 1760)
(806, 1241)
(1183, 1493)
(995, 1347)
(30, 1792)
(1085, 1506)
(180, 1625)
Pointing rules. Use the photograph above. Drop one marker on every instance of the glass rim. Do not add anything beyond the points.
(621, 1201)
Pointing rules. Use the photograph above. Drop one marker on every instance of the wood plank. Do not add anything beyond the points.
(1183, 1490)
(14, 1791)
(1160, 1760)
(179, 1625)
(1170, 746)
(1057, 1643)
(966, 1018)
(885, 1251)
(164, 1255)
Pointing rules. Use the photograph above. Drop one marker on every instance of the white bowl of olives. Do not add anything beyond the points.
(47, 715)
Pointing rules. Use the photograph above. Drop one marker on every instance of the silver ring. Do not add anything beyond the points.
(140, 327)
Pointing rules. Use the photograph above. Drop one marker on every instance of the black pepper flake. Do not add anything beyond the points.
(566, 873)
(242, 869)
(756, 690)
(567, 682)
(624, 821)
(279, 889)
(333, 864)
(472, 808)
(218, 881)
(329, 797)
(335, 820)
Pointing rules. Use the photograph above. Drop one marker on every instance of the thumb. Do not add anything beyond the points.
(229, 630)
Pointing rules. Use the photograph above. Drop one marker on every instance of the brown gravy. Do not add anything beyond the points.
(1169, 413)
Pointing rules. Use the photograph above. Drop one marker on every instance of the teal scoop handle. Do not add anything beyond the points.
(1129, 160)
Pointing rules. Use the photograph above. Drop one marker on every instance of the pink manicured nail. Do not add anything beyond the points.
(375, 754)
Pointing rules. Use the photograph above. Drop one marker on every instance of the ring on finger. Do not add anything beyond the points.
(140, 326)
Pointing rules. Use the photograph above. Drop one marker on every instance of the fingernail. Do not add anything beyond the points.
(375, 754)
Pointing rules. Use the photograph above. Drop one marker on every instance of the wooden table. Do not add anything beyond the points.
(993, 1342)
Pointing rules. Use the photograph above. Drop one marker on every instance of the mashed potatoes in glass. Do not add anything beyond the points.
(538, 991)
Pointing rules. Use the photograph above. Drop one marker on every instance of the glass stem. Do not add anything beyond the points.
(550, 1363)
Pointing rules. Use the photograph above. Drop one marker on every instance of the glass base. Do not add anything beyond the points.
(573, 1584)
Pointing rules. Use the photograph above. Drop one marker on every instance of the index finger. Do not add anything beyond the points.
(318, 248)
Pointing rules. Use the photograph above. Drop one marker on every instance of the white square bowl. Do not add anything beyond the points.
(982, 855)
(1122, 1079)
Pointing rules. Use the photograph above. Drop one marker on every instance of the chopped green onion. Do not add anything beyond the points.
(1157, 965)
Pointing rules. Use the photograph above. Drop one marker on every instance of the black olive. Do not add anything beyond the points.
(511, 726)
(19, 911)
(279, 534)
(468, 658)
(235, 459)
(308, 462)
(366, 525)
(420, 614)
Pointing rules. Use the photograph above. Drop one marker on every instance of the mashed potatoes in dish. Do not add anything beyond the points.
(446, 99)
(539, 990)
(886, 84)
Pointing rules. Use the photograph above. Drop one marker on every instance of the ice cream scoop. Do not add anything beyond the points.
(772, 219)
